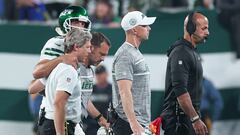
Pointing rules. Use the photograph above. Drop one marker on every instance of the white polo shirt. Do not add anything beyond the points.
(64, 78)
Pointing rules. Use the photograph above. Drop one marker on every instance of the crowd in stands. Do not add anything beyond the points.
(102, 12)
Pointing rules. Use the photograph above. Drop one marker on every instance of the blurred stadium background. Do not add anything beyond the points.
(23, 38)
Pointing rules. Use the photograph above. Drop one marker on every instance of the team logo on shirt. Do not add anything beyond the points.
(68, 79)
(87, 84)
(180, 62)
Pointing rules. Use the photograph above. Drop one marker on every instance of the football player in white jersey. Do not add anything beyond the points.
(71, 17)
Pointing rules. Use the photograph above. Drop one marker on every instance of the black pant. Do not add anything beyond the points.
(183, 126)
(121, 127)
(47, 128)
(91, 126)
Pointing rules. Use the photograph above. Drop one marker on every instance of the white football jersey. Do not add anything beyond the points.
(86, 75)
(53, 48)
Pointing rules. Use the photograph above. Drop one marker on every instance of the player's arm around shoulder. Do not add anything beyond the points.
(51, 55)
(45, 67)
(48, 54)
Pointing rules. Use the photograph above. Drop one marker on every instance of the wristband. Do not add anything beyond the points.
(194, 119)
(98, 117)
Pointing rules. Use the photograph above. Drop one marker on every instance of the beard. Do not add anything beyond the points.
(203, 40)
(200, 39)
(93, 62)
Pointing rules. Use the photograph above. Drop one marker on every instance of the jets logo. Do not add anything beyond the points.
(66, 12)
(87, 84)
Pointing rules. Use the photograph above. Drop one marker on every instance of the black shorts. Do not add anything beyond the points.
(121, 127)
(48, 128)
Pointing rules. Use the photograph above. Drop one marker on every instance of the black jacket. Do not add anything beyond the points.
(184, 74)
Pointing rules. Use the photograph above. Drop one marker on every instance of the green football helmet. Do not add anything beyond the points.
(73, 13)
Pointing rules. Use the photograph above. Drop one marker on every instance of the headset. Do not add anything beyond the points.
(191, 25)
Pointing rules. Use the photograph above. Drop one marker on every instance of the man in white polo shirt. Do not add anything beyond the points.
(63, 88)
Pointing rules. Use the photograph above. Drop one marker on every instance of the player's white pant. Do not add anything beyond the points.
(79, 130)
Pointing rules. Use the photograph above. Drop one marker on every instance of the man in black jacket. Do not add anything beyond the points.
(181, 115)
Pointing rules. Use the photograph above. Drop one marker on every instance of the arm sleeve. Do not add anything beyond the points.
(180, 67)
(67, 80)
(124, 68)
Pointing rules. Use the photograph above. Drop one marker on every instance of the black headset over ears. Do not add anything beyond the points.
(191, 25)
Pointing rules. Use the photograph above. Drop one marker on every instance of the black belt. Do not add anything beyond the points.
(69, 122)
(68, 125)
(42, 118)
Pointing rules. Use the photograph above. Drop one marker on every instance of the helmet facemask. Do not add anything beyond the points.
(68, 26)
